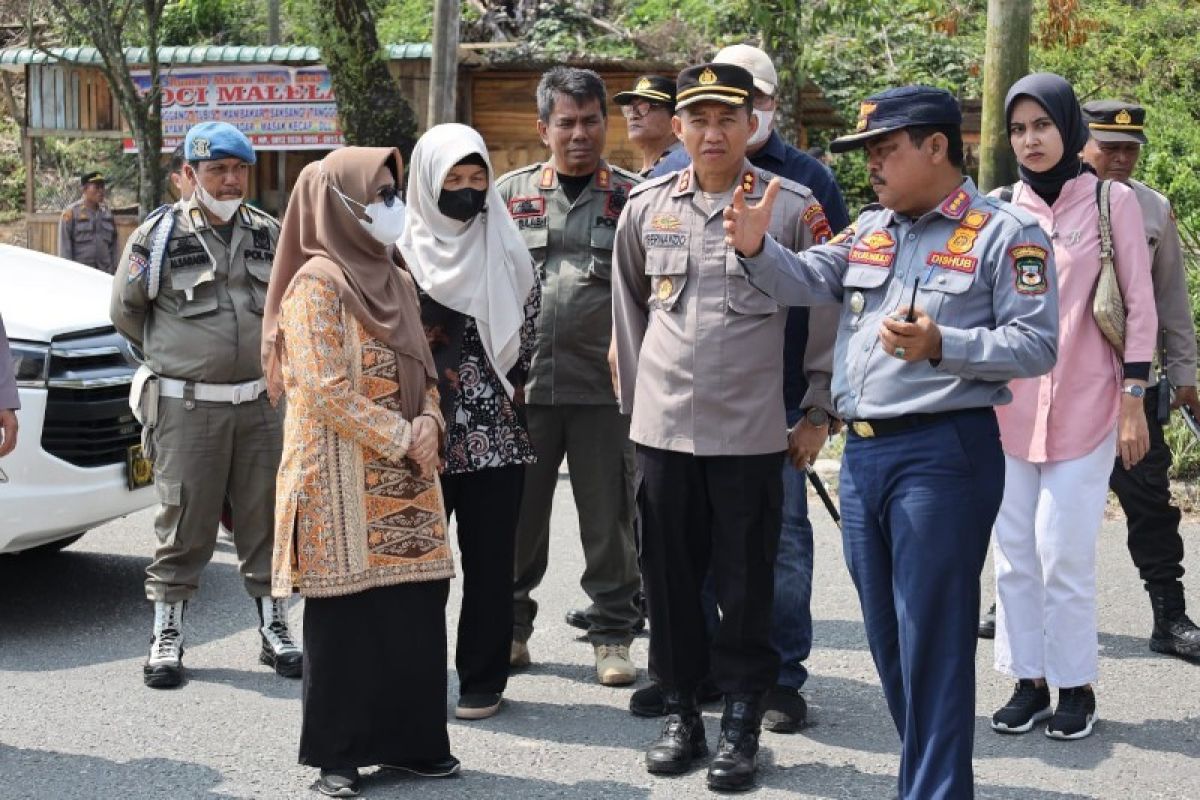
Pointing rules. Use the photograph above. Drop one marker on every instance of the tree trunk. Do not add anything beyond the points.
(1006, 59)
(443, 72)
(371, 110)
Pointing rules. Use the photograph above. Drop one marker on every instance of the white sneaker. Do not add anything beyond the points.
(164, 665)
(613, 666)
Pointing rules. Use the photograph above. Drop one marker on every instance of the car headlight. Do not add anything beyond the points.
(30, 362)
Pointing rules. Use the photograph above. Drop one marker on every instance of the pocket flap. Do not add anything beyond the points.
(864, 277)
(259, 270)
(662, 261)
(949, 281)
(602, 238)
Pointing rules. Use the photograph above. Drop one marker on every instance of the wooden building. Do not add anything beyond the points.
(66, 96)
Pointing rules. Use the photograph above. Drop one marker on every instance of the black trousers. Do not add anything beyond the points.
(1145, 495)
(725, 510)
(486, 505)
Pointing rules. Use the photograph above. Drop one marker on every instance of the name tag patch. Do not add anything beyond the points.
(956, 262)
(531, 223)
(676, 240)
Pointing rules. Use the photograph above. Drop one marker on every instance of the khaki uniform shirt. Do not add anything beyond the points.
(205, 325)
(1168, 272)
(572, 245)
(88, 236)
(700, 350)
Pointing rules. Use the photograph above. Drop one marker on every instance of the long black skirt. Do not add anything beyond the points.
(375, 677)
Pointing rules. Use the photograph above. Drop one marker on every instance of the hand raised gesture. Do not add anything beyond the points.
(746, 225)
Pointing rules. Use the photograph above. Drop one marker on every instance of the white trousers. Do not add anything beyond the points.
(1045, 555)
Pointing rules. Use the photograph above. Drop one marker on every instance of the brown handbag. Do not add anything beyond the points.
(1108, 306)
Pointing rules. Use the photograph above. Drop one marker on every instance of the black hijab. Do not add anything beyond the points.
(1057, 97)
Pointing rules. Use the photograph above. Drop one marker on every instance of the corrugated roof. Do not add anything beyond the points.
(232, 54)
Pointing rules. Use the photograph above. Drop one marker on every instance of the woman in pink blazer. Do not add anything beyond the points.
(1062, 430)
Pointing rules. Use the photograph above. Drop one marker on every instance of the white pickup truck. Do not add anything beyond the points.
(77, 464)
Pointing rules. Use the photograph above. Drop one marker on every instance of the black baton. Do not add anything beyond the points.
(823, 493)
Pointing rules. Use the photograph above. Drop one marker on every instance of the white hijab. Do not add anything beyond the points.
(480, 268)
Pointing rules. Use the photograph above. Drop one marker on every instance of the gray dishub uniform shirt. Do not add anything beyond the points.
(976, 260)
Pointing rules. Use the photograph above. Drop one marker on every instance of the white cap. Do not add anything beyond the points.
(754, 61)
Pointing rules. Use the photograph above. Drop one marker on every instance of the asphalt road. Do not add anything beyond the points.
(76, 722)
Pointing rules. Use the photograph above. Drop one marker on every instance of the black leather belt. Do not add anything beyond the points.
(870, 428)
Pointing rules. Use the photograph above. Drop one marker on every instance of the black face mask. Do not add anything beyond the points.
(461, 204)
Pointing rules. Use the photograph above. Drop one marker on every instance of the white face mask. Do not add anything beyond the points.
(764, 127)
(221, 209)
(386, 221)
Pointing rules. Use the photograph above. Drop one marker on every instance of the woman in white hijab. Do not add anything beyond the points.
(479, 304)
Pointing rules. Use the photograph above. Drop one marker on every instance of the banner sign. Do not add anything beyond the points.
(277, 107)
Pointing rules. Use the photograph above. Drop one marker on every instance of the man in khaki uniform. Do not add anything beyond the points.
(1117, 134)
(699, 359)
(189, 293)
(87, 232)
(567, 211)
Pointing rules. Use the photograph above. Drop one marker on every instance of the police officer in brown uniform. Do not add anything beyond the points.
(1117, 134)
(189, 293)
(567, 211)
(87, 232)
(699, 358)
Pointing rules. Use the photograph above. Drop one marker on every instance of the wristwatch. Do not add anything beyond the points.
(1134, 390)
(817, 417)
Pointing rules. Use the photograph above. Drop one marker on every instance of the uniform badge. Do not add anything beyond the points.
(547, 179)
(1123, 117)
(137, 266)
(685, 180)
(956, 204)
(976, 219)
(707, 78)
(1029, 262)
(665, 222)
(603, 178)
(857, 302)
(962, 241)
(201, 148)
(874, 250)
(521, 207)
(814, 218)
(864, 115)
(748, 182)
(616, 201)
(665, 287)
(642, 85)
(879, 240)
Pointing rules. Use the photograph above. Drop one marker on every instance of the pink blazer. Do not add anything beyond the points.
(1067, 413)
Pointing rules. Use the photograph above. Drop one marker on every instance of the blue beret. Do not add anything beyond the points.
(208, 141)
(906, 107)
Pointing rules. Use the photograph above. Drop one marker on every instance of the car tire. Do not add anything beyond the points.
(50, 548)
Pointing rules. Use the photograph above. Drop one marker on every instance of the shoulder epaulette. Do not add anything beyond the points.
(518, 171)
(633, 177)
(649, 182)
(1012, 210)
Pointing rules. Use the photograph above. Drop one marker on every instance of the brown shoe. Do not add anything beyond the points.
(613, 666)
(518, 655)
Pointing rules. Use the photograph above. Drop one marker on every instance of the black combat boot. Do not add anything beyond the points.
(736, 763)
(1174, 633)
(682, 740)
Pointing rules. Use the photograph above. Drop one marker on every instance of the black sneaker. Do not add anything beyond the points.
(446, 767)
(338, 783)
(478, 706)
(987, 624)
(1075, 716)
(786, 710)
(1029, 705)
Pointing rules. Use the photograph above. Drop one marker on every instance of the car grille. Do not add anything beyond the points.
(88, 422)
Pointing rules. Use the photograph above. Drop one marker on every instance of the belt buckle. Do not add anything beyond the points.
(862, 429)
(237, 394)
